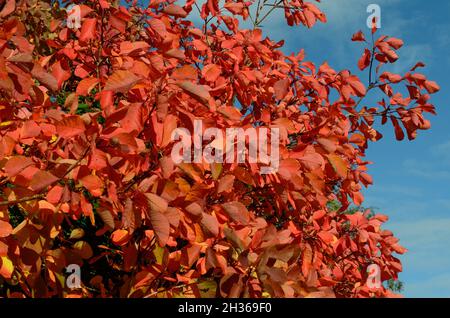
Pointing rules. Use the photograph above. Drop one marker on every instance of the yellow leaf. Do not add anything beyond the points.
(83, 249)
(216, 170)
(160, 254)
(53, 139)
(207, 289)
(5, 123)
(76, 233)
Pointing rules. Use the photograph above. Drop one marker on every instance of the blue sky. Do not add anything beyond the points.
(411, 179)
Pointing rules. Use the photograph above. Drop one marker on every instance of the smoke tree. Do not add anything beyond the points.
(87, 178)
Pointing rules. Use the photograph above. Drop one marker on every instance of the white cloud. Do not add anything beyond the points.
(428, 169)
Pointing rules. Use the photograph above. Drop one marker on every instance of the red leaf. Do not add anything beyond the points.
(357, 197)
(61, 72)
(288, 168)
(419, 64)
(158, 26)
(41, 180)
(8, 8)
(364, 61)
(326, 236)
(327, 144)
(87, 31)
(225, 183)
(358, 139)
(312, 160)
(16, 164)
(55, 194)
(399, 134)
(393, 78)
(367, 179)
(432, 87)
(211, 72)
(186, 72)
(358, 37)
(358, 87)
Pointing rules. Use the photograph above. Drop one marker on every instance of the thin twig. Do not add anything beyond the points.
(30, 198)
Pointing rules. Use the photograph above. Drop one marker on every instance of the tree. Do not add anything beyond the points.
(87, 177)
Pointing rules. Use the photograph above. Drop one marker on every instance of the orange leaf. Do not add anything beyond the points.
(358, 87)
(120, 237)
(156, 203)
(94, 184)
(339, 165)
(70, 127)
(86, 85)
(237, 212)
(431, 87)
(87, 31)
(5, 229)
(199, 92)
(211, 72)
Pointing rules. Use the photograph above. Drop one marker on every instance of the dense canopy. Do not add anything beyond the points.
(87, 178)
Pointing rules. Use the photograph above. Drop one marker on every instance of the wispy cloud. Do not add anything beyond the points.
(442, 151)
(436, 286)
(428, 256)
(429, 169)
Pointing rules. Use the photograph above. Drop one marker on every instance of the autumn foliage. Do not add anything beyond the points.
(86, 176)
